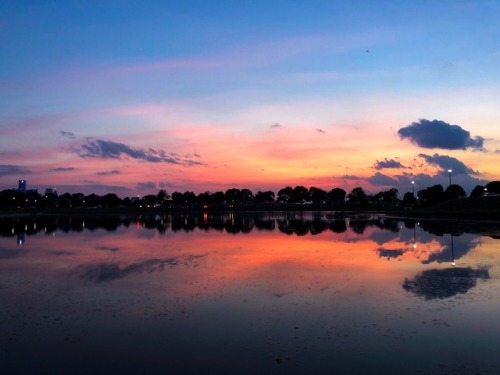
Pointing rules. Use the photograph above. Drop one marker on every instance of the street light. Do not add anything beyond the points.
(413, 187)
(449, 175)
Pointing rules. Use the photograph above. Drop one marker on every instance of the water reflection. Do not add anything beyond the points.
(444, 283)
(103, 272)
(286, 293)
(296, 223)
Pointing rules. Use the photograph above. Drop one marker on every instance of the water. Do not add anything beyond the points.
(248, 294)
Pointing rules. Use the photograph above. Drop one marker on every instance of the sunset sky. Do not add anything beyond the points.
(130, 97)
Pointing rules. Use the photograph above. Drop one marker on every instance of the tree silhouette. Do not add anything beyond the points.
(431, 195)
(337, 196)
(358, 196)
(493, 187)
(455, 192)
(317, 195)
(285, 195)
(478, 191)
(300, 194)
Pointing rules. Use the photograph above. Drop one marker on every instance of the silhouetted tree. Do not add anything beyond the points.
(409, 199)
(78, 200)
(493, 187)
(337, 196)
(177, 198)
(285, 194)
(478, 191)
(218, 197)
(264, 197)
(455, 192)
(358, 196)
(204, 198)
(431, 195)
(162, 197)
(300, 194)
(92, 200)
(149, 200)
(111, 200)
(232, 196)
(246, 196)
(317, 195)
(189, 197)
(65, 200)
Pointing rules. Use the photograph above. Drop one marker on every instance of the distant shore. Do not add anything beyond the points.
(484, 209)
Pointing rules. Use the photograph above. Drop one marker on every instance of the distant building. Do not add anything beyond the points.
(50, 191)
(22, 186)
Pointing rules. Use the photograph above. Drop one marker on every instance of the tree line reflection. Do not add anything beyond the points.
(290, 223)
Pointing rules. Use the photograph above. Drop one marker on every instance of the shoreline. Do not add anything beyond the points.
(427, 214)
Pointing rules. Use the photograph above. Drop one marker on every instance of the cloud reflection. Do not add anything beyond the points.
(104, 272)
(444, 283)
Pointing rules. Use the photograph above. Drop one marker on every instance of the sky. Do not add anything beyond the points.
(130, 97)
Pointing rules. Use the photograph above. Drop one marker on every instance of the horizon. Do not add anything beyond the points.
(195, 96)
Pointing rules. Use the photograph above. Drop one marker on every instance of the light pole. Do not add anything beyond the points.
(449, 175)
(413, 187)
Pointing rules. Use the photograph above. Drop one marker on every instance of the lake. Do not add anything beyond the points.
(264, 293)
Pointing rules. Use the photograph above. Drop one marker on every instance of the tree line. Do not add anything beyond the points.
(244, 198)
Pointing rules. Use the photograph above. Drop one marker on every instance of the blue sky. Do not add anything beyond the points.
(257, 94)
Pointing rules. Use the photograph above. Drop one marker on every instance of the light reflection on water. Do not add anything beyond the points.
(248, 294)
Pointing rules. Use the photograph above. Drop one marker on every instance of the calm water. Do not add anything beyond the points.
(266, 294)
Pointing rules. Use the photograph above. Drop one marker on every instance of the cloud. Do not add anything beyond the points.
(439, 134)
(66, 134)
(387, 163)
(10, 170)
(113, 249)
(63, 169)
(109, 173)
(444, 283)
(320, 131)
(98, 148)
(445, 162)
(276, 125)
(146, 185)
(380, 179)
(105, 272)
(389, 253)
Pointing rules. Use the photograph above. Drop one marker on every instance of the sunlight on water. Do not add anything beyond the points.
(248, 294)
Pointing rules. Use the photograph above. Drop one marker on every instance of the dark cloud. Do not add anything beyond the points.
(146, 185)
(351, 177)
(105, 272)
(69, 135)
(276, 125)
(379, 179)
(439, 134)
(166, 185)
(320, 131)
(89, 187)
(10, 170)
(444, 283)
(445, 162)
(63, 169)
(98, 148)
(11, 253)
(61, 252)
(389, 253)
(109, 173)
(387, 163)
(108, 248)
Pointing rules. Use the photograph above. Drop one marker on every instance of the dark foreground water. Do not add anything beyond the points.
(267, 294)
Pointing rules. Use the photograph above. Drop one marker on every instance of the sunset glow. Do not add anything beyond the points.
(130, 99)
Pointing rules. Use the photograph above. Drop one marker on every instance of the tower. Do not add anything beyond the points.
(22, 186)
